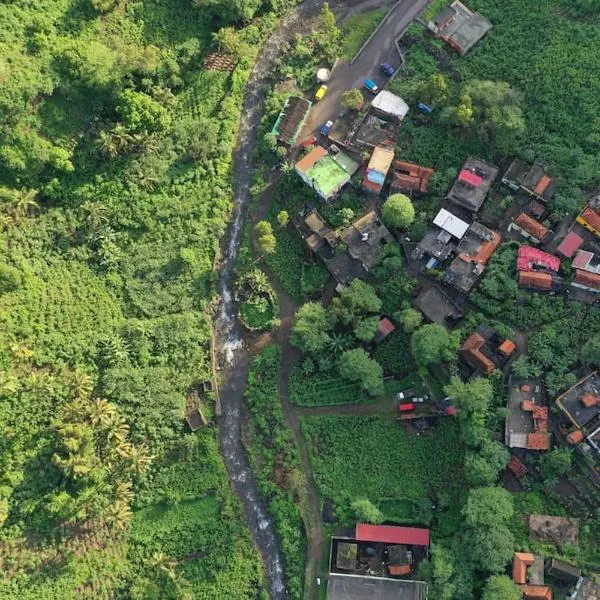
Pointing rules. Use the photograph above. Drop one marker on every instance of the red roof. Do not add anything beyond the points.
(399, 569)
(471, 350)
(589, 215)
(589, 400)
(531, 226)
(406, 407)
(392, 534)
(469, 177)
(517, 466)
(582, 259)
(535, 279)
(522, 560)
(536, 592)
(530, 257)
(507, 347)
(570, 244)
(591, 280)
(386, 326)
(538, 441)
(543, 183)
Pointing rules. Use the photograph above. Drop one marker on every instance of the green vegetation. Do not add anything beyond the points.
(115, 163)
(398, 212)
(374, 457)
(275, 462)
(356, 31)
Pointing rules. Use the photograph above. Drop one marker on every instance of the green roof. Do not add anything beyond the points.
(328, 176)
(291, 119)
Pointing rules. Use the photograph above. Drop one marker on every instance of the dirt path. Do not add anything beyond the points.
(382, 407)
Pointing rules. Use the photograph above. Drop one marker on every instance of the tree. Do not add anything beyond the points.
(590, 351)
(490, 548)
(96, 214)
(366, 511)
(312, 327)
(482, 466)
(367, 328)
(410, 319)
(355, 301)
(432, 344)
(501, 587)
(398, 211)
(442, 570)
(265, 239)
(473, 398)
(353, 99)
(355, 365)
(141, 113)
(434, 90)
(488, 507)
(10, 279)
(346, 215)
(556, 463)
(228, 39)
(461, 115)
(283, 218)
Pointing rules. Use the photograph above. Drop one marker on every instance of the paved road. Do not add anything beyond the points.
(381, 48)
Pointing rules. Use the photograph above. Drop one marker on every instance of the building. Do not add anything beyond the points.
(587, 261)
(365, 238)
(587, 281)
(327, 173)
(484, 350)
(527, 422)
(473, 183)
(440, 241)
(532, 179)
(529, 228)
(379, 562)
(411, 178)
(377, 169)
(389, 106)
(570, 244)
(590, 216)
(459, 27)
(291, 119)
(384, 329)
(530, 259)
(473, 252)
(580, 406)
(563, 571)
(536, 280)
(528, 574)
(437, 307)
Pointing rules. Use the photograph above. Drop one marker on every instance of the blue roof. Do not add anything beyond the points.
(376, 177)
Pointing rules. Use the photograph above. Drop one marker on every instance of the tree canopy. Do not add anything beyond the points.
(398, 211)
(312, 327)
(431, 344)
(356, 365)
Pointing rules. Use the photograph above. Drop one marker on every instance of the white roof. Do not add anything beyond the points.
(451, 223)
(390, 104)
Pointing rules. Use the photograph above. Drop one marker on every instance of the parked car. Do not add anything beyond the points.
(309, 141)
(387, 69)
(424, 108)
(406, 407)
(326, 127)
(321, 92)
(370, 85)
(406, 394)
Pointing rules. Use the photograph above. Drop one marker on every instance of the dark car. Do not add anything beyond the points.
(387, 69)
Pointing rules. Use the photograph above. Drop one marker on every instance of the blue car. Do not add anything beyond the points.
(370, 85)
(387, 69)
(326, 127)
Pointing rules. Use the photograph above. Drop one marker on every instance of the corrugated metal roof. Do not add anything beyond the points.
(390, 104)
(588, 279)
(451, 223)
(392, 534)
(570, 244)
(469, 177)
(591, 217)
(582, 259)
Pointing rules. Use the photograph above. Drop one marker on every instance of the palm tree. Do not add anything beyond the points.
(80, 383)
(339, 343)
(102, 412)
(96, 213)
(118, 514)
(227, 39)
(138, 458)
(161, 562)
(258, 281)
(25, 202)
(6, 221)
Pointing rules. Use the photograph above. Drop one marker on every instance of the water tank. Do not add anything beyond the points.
(323, 75)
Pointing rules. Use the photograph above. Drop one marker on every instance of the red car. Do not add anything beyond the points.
(310, 141)
(407, 407)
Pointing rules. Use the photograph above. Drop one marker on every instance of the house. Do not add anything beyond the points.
(590, 216)
(536, 210)
(327, 173)
(384, 329)
(365, 238)
(529, 228)
(517, 466)
(570, 244)
(411, 178)
(530, 259)
(473, 183)
(587, 261)
(377, 561)
(557, 531)
(438, 242)
(459, 27)
(563, 571)
(473, 252)
(532, 179)
(528, 574)
(587, 281)
(291, 119)
(580, 406)
(484, 350)
(437, 307)
(536, 280)
(526, 425)
(377, 169)
(389, 106)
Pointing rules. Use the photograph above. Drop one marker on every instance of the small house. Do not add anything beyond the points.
(473, 184)
(377, 169)
(529, 228)
(411, 178)
(590, 216)
(291, 119)
(563, 571)
(389, 106)
(570, 244)
(384, 329)
(532, 179)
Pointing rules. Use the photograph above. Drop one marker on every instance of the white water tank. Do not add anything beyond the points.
(323, 75)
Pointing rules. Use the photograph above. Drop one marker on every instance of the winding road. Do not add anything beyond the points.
(233, 357)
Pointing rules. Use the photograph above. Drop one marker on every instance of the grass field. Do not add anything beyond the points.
(356, 31)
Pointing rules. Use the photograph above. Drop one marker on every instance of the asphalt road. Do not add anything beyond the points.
(380, 49)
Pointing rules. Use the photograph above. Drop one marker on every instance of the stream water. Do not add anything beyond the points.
(233, 357)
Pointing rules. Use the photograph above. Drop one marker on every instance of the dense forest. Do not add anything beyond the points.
(115, 156)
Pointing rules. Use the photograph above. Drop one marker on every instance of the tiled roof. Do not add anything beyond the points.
(386, 326)
(543, 183)
(521, 560)
(591, 280)
(531, 226)
(570, 244)
(529, 257)
(538, 441)
(471, 350)
(536, 592)
(507, 347)
(590, 216)
(305, 164)
(542, 281)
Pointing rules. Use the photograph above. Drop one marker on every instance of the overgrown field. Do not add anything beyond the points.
(115, 159)
(377, 458)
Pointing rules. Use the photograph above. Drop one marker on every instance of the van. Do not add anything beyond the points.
(370, 85)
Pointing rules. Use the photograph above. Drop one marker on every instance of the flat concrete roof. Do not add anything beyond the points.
(357, 587)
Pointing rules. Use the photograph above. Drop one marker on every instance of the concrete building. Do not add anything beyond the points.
(473, 183)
